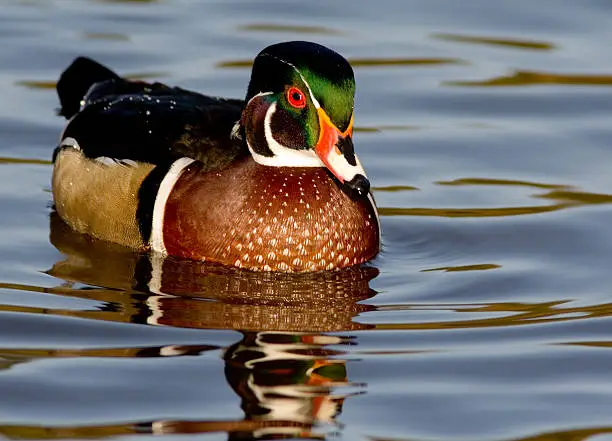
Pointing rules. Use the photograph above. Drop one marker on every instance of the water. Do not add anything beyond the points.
(485, 129)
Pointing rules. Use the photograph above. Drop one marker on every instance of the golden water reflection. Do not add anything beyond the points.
(51, 84)
(454, 269)
(288, 383)
(126, 1)
(492, 41)
(291, 376)
(289, 373)
(500, 314)
(110, 36)
(395, 188)
(249, 301)
(563, 435)
(5, 160)
(299, 29)
(532, 78)
(34, 84)
(469, 212)
(168, 291)
(563, 197)
(187, 312)
(191, 427)
(504, 182)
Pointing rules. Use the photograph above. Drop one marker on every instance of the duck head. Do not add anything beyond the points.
(299, 112)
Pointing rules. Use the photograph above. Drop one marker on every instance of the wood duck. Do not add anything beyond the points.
(271, 183)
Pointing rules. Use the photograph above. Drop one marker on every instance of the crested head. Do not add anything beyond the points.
(299, 111)
(325, 74)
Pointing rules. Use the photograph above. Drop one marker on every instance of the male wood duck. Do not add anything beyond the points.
(270, 183)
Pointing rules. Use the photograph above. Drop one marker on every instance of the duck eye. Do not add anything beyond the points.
(296, 98)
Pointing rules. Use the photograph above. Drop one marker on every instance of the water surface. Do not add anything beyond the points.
(485, 129)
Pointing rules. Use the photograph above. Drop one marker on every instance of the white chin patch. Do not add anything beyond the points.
(283, 156)
(341, 168)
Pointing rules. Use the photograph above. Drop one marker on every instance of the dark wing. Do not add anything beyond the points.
(144, 122)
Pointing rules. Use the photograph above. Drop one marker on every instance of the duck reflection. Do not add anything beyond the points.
(191, 294)
(289, 374)
(289, 384)
(289, 378)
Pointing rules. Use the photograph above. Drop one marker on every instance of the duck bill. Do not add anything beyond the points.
(335, 149)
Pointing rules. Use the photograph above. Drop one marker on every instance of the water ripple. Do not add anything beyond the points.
(492, 41)
(533, 78)
(504, 314)
(563, 196)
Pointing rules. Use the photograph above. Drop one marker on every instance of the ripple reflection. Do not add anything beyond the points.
(298, 29)
(290, 375)
(563, 197)
(533, 78)
(492, 41)
(495, 314)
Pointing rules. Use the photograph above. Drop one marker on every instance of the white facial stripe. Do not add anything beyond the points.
(341, 168)
(283, 156)
(159, 209)
(260, 94)
(314, 100)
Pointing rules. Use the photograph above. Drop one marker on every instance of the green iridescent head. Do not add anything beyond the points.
(299, 111)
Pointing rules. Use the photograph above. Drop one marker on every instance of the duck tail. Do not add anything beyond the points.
(76, 80)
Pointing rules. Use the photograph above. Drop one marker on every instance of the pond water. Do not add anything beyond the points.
(486, 130)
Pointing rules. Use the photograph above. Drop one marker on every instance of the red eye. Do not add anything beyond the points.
(296, 98)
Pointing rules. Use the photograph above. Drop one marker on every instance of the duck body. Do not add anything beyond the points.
(222, 180)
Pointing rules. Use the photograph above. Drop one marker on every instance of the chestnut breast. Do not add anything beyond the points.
(268, 218)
